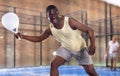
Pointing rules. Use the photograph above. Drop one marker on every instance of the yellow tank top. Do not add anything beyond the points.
(69, 38)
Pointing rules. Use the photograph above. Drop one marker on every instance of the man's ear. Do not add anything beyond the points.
(47, 17)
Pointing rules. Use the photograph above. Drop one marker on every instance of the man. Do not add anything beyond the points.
(113, 47)
(67, 31)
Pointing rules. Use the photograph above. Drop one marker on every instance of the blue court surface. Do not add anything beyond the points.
(63, 70)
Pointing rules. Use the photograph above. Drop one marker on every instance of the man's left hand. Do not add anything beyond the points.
(91, 50)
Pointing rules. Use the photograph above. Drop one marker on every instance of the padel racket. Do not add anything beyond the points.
(10, 21)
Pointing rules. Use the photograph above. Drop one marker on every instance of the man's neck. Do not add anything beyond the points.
(60, 23)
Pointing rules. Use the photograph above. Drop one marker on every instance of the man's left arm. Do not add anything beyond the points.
(77, 25)
(92, 41)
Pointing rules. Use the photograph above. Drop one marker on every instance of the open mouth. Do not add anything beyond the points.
(54, 20)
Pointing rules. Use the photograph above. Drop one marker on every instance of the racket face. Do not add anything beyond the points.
(10, 21)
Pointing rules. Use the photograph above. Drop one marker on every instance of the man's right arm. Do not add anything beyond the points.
(40, 38)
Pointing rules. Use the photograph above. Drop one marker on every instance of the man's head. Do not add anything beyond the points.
(51, 7)
(52, 14)
(114, 38)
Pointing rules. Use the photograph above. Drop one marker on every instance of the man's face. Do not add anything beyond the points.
(114, 39)
(52, 16)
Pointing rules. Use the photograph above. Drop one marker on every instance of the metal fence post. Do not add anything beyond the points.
(106, 31)
(40, 42)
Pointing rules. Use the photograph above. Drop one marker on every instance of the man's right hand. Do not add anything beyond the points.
(18, 36)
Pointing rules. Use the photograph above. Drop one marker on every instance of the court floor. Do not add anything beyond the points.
(64, 71)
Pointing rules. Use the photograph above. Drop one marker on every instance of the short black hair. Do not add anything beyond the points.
(51, 7)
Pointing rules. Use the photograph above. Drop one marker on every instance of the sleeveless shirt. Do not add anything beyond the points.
(69, 38)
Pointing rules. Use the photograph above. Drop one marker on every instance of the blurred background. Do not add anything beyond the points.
(103, 17)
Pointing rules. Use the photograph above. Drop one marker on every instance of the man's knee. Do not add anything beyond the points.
(53, 65)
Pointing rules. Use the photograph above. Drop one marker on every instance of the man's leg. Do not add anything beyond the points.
(90, 70)
(114, 62)
(111, 62)
(85, 60)
(56, 62)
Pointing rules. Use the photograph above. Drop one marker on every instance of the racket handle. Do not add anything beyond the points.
(19, 38)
